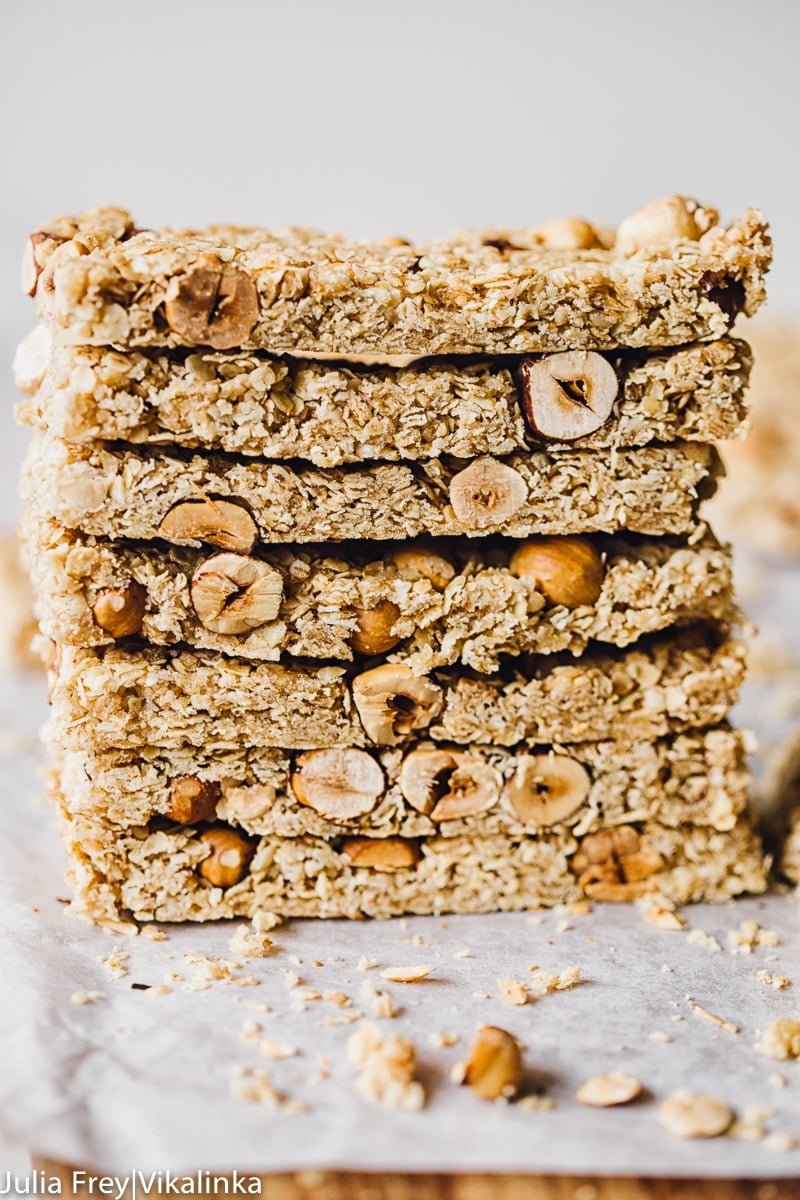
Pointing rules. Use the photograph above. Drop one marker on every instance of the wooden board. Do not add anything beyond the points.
(340, 1185)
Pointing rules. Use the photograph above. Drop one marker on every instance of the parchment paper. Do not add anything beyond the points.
(139, 1080)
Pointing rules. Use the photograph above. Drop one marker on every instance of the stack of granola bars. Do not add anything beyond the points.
(374, 574)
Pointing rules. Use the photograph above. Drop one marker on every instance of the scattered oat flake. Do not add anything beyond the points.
(159, 989)
(366, 964)
(563, 926)
(774, 981)
(462, 954)
(781, 1141)
(536, 1103)
(664, 918)
(346, 1018)
(406, 974)
(781, 1039)
(705, 1015)
(86, 997)
(777, 1080)
(542, 983)
(699, 937)
(605, 1091)
(691, 1114)
(254, 1086)
(658, 1035)
(380, 1001)
(263, 921)
(115, 962)
(153, 933)
(290, 978)
(269, 1048)
(337, 998)
(442, 1040)
(385, 1069)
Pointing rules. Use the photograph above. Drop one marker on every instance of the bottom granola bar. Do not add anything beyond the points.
(179, 874)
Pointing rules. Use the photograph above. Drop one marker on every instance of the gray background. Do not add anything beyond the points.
(380, 118)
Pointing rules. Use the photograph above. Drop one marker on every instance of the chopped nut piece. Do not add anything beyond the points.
(392, 702)
(386, 1068)
(121, 612)
(216, 520)
(212, 304)
(192, 799)
(567, 396)
(566, 570)
(418, 562)
(547, 788)
(382, 854)
(781, 1039)
(493, 1068)
(406, 974)
(604, 1091)
(233, 593)
(373, 634)
(448, 784)
(663, 221)
(692, 1115)
(568, 233)
(38, 248)
(486, 493)
(229, 858)
(616, 864)
(341, 783)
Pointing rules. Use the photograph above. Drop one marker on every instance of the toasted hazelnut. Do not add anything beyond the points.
(615, 864)
(212, 304)
(233, 593)
(673, 218)
(448, 784)
(220, 522)
(192, 800)
(31, 359)
(567, 570)
(373, 634)
(230, 855)
(567, 396)
(382, 854)
(693, 1115)
(120, 611)
(493, 1068)
(568, 233)
(38, 248)
(547, 788)
(340, 783)
(417, 562)
(486, 493)
(392, 702)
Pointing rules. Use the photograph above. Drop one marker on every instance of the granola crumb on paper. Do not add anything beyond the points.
(778, 982)
(543, 984)
(253, 1085)
(749, 936)
(365, 963)
(86, 997)
(443, 1039)
(658, 1035)
(699, 937)
(115, 962)
(781, 1039)
(514, 991)
(536, 1103)
(249, 944)
(264, 921)
(385, 1069)
(380, 1001)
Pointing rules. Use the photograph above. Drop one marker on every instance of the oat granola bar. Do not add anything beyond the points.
(671, 274)
(419, 790)
(121, 700)
(176, 874)
(431, 604)
(335, 413)
(126, 493)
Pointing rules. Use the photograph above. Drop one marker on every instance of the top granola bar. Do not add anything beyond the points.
(669, 274)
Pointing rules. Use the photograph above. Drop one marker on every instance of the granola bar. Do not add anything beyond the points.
(117, 699)
(335, 413)
(419, 790)
(440, 602)
(176, 874)
(671, 274)
(126, 493)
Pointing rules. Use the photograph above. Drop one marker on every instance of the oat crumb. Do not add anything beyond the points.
(86, 997)
(749, 936)
(513, 990)
(699, 937)
(536, 1103)
(366, 964)
(658, 1035)
(781, 1039)
(380, 1001)
(774, 981)
(264, 921)
(442, 1040)
(406, 974)
(385, 1069)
